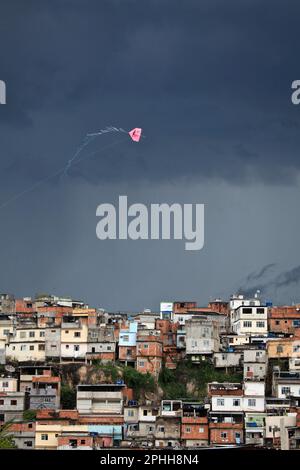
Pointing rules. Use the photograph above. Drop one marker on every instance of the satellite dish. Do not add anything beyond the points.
(9, 368)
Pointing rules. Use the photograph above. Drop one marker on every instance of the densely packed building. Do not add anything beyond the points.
(43, 339)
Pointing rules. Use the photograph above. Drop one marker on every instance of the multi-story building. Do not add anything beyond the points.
(101, 399)
(255, 363)
(45, 392)
(255, 428)
(52, 343)
(250, 320)
(27, 344)
(149, 352)
(194, 425)
(286, 384)
(12, 405)
(23, 434)
(284, 320)
(74, 333)
(127, 344)
(202, 338)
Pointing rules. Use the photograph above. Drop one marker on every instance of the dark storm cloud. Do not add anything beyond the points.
(254, 276)
(292, 276)
(278, 282)
(209, 81)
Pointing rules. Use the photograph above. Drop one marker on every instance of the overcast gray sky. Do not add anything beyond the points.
(210, 84)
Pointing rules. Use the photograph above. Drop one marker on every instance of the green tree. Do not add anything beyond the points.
(138, 382)
(29, 415)
(68, 397)
(6, 438)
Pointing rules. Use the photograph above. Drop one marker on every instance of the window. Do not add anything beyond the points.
(130, 413)
(77, 334)
(13, 402)
(236, 402)
(47, 399)
(162, 429)
(220, 401)
(31, 334)
(67, 346)
(260, 324)
(22, 334)
(141, 363)
(285, 390)
(44, 437)
(296, 322)
(224, 435)
(76, 347)
(82, 441)
(6, 332)
(108, 348)
(31, 348)
(146, 346)
(247, 324)
(201, 430)
(23, 347)
(247, 310)
(145, 412)
(41, 347)
(260, 310)
(279, 348)
(4, 384)
(187, 429)
(28, 443)
(277, 322)
(67, 332)
(42, 334)
(125, 337)
(1, 402)
(251, 402)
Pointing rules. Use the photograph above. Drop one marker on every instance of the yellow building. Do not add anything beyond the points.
(46, 435)
(283, 348)
(73, 339)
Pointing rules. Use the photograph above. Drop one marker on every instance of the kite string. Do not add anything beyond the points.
(88, 138)
(70, 162)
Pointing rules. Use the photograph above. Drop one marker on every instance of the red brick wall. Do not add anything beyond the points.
(194, 424)
(123, 356)
(216, 430)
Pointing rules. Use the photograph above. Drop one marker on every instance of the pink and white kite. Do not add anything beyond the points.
(135, 134)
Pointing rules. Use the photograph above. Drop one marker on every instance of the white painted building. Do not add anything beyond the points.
(100, 399)
(251, 320)
(27, 344)
(255, 364)
(202, 338)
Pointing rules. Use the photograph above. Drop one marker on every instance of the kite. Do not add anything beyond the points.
(135, 135)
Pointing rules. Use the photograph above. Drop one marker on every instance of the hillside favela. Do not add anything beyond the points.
(77, 377)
